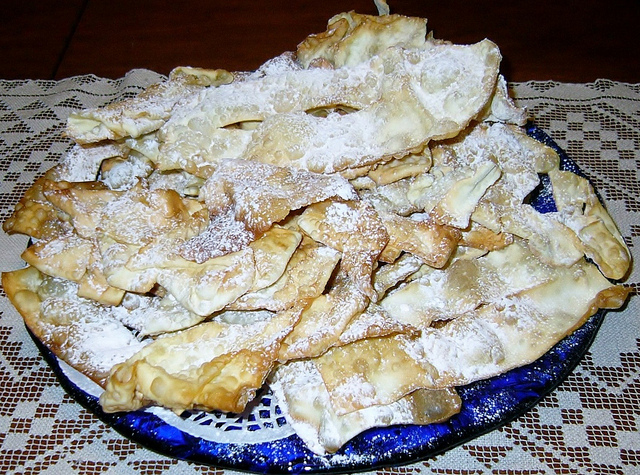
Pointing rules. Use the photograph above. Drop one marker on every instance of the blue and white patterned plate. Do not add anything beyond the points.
(260, 440)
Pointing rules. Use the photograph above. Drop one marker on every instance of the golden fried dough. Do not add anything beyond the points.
(518, 329)
(432, 243)
(352, 38)
(306, 403)
(465, 285)
(212, 366)
(548, 238)
(398, 168)
(272, 253)
(66, 256)
(372, 372)
(34, 215)
(262, 194)
(450, 195)
(305, 277)
(581, 211)
(94, 286)
(323, 322)
(83, 333)
(353, 228)
(144, 113)
(415, 108)
(387, 276)
(209, 287)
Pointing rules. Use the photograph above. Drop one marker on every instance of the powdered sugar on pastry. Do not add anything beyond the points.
(417, 106)
(224, 234)
(82, 332)
(302, 395)
(82, 163)
(262, 194)
(142, 114)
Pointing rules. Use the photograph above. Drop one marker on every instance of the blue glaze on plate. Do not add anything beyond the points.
(486, 405)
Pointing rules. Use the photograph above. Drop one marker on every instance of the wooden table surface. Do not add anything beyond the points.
(541, 39)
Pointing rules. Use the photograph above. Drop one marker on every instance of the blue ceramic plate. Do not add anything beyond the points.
(260, 440)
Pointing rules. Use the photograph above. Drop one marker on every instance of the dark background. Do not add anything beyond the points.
(53, 39)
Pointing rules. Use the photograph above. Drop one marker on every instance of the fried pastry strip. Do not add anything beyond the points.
(353, 228)
(144, 113)
(82, 163)
(519, 158)
(387, 276)
(208, 127)
(211, 286)
(481, 344)
(272, 252)
(392, 198)
(416, 107)
(432, 243)
(450, 195)
(81, 332)
(581, 210)
(213, 366)
(256, 272)
(352, 38)
(484, 239)
(35, 215)
(66, 256)
(323, 321)
(76, 259)
(135, 216)
(465, 285)
(398, 168)
(306, 404)
(374, 371)
(262, 194)
(477, 345)
(550, 239)
(223, 235)
(305, 277)
(93, 284)
(154, 315)
(502, 108)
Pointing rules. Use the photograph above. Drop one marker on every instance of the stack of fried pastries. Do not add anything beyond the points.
(349, 224)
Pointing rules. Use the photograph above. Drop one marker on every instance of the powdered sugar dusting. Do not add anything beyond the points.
(225, 234)
(82, 163)
(126, 173)
(342, 218)
(94, 339)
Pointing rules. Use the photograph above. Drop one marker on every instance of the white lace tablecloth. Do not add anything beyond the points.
(589, 424)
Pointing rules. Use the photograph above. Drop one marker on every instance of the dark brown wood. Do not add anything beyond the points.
(160, 35)
(567, 41)
(34, 35)
(563, 41)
